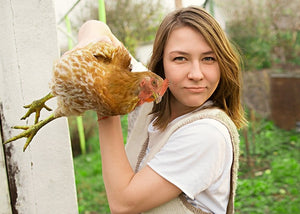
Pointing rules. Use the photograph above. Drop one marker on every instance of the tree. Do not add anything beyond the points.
(132, 21)
(266, 31)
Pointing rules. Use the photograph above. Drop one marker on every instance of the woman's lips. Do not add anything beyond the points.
(195, 89)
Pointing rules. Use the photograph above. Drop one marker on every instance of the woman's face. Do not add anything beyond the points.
(192, 70)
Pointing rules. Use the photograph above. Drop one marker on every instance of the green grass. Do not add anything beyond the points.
(271, 184)
(90, 187)
(268, 181)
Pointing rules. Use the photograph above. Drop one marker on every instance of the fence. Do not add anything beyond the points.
(40, 180)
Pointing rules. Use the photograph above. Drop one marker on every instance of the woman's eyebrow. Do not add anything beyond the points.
(208, 53)
(178, 52)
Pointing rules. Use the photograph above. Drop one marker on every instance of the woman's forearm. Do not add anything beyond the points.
(116, 170)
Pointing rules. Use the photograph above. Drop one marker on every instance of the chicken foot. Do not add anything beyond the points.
(36, 106)
(30, 131)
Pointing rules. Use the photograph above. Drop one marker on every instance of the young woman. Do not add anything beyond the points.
(182, 154)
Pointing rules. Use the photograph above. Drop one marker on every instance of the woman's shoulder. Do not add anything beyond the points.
(206, 125)
(209, 118)
(205, 130)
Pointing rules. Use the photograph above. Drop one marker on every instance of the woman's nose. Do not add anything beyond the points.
(195, 72)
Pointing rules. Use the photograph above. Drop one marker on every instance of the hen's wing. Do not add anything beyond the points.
(109, 54)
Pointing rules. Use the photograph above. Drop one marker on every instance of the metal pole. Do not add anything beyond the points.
(101, 11)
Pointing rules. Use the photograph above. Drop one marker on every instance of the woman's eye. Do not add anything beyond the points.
(209, 59)
(179, 58)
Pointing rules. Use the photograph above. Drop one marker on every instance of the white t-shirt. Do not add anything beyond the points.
(197, 159)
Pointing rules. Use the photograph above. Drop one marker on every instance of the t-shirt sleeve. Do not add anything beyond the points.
(193, 157)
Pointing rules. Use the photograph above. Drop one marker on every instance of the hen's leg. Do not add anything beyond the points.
(36, 106)
(30, 131)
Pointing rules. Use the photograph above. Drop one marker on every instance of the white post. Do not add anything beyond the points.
(41, 179)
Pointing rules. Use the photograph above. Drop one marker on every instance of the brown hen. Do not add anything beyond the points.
(97, 77)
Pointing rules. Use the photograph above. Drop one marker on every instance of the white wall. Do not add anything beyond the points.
(41, 180)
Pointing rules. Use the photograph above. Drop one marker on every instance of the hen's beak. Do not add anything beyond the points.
(164, 87)
(158, 95)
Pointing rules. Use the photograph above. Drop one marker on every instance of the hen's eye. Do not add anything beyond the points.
(154, 83)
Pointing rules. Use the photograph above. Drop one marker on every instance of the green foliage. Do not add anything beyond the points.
(271, 184)
(134, 22)
(90, 187)
(265, 31)
(255, 49)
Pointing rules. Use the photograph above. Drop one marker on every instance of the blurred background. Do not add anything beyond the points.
(267, 34)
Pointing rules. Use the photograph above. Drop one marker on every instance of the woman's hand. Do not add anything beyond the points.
(94, 31)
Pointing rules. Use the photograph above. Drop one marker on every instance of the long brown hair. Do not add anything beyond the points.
(227, 96)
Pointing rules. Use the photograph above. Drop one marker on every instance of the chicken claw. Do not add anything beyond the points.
(30, 131)
(36, 106)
